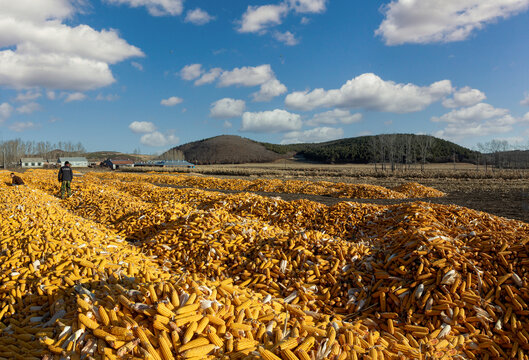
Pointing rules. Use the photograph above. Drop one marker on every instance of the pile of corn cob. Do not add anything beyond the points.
(338, 189)
(242, 276)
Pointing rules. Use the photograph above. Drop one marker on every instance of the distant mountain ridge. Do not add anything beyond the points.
(398, 148)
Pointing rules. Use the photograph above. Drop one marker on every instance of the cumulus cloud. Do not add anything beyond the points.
(287, 38)
(28, 108)
(257, 19)
(227, 108)
(428, 21)
(51, 95)
(142, 127)
(157, 139)
(191, 72)
(464, 97)
(269, 90)
(42, 51)
(270, 121)
(525, 101)
(479, 120)
(308, 6)
(333, 117)
(227, 124)
(28, 96)
(368, 91)
(154, 7)
(478, 112)
(5, 111)
(247, 76)
(209, 77)
(172, 101)
(198, 17)
(316, 135)
(76, 96)
(20, 126)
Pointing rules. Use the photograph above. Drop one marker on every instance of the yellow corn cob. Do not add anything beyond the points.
(165, 349)
(164, 311)
(194, 343)
(86, 321)
(198, 351)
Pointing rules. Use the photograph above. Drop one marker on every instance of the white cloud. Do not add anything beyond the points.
(5, 111)
(247, 76)
(333, 117)
(269, 90)
(22, 126)
(108, 97)
(316, 135)
(28, 96)
(209, 77)
(478, 120)
(270, 121)
(526, 117)
(308, 6)
(370, 92)
(244, 76)
(44, 52)
(464, 97)
(478, 112)
(427, 21)
(142, 127)
(28, 108)
(287, 38)
(191, 72)
(157, 139)
(198, 17)
(76, 96)
(172, 101)
(137, 65)
(227, 124)
(525, 101)
(50, 95)
(257, 19)
(227, 108)
(154, 7)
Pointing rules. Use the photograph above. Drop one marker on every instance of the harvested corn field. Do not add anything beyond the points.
(128, 269)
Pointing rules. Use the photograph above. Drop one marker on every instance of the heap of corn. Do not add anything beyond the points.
(338, 189)
(416, 190)
(125, 269)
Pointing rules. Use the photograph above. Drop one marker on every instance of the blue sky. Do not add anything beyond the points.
(151, 74)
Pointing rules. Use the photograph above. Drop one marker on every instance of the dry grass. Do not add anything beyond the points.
(344, 172)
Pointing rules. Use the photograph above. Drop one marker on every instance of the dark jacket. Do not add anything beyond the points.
(65, 174)
(17, 180)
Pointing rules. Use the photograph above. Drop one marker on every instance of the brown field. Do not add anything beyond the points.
(499, 192)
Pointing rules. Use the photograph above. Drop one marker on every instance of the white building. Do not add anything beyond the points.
(32, 162)
(74, 161)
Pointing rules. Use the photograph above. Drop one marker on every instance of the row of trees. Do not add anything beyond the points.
(11, 151)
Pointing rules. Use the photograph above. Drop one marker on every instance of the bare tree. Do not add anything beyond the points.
(425, 144)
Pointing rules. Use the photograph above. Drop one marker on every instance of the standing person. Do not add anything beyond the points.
(65, 178)
(16, 180)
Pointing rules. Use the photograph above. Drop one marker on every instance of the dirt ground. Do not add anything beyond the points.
(506, 198)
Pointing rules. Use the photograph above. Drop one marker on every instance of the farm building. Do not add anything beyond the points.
(166, 163)
(74, 161)
(117, 163)
(32, 162)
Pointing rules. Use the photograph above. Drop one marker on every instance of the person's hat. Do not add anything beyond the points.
(66, 163)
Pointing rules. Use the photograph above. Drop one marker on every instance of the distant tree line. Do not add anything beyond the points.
(402, 151)
(11, 151)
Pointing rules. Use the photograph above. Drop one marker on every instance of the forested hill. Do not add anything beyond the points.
(388, 147)
(394, 148)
